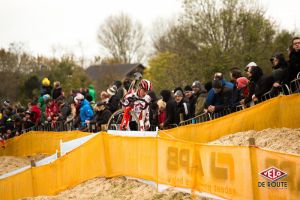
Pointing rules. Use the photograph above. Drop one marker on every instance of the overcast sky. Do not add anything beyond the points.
(73, 24)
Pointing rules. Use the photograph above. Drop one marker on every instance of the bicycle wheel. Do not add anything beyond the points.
(116, 119)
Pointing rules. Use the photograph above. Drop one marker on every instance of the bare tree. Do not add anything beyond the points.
(122, 38)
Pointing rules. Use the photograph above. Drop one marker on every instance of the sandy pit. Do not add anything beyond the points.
(118, 188)
(281, 139)
(10, 163)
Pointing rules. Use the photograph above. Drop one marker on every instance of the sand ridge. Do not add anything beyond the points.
(284, 140)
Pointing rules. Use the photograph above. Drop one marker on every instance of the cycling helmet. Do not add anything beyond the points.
(146, 85)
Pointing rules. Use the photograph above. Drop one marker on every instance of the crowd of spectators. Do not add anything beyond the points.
(54, 110)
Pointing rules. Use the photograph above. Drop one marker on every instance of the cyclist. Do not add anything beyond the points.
(138, 102)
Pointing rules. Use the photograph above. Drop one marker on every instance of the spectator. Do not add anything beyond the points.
(27, 123)
(86, 111)
(92, 92)
(261, 83)
(182, 111)
(101, 116)
(190, 99)
(294, 59)
(162, 115)
(104, 97)
(153, 109)
(35, 111)
(222, 97)
(46, 87)
(279, 69)
(210, 95)
(241, 85)
(57, 90)
(200, 96)
(170, 108)
(113, 102)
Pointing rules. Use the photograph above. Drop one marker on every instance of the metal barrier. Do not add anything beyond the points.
(275, 91)
(221, 113)
(295, 86)
(198, 119)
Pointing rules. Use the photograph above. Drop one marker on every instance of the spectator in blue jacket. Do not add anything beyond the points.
(211, 92)
(85, 111)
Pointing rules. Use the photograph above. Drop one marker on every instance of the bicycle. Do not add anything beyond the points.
(133, 114)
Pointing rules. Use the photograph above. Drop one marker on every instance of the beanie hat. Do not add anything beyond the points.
(241, 82)
(166, 95)
(46, 81)
(188, 88)
(179, 93)
(196, 84)
(46, 97)
(112, 90)
(251, 64)
(78, 96)
(6, 102)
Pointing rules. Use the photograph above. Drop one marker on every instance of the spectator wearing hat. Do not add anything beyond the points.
(101, 116)
(200, 95)
(182, 110)
(114, 100)
(92, 92)
(241, 85)
(279, 72)
(170, 109)
(190, 99)
(259, 84)
(27, 122)
(227, 84)
(222, 97)
(46, 87)
(249, 65)
(85, 111)
(35, 113)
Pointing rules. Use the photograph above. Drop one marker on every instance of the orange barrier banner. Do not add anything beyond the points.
(231, 172)
(282, 111)
(35, 142)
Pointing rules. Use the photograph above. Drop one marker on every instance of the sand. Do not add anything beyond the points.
(118, 188)
(281, 140)
(10, 163)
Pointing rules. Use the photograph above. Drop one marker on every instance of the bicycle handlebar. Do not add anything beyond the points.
(132, 100)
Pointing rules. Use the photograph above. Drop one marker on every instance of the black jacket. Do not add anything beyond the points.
(294, 65)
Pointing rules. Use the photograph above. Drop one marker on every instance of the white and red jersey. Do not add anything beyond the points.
(141, 109)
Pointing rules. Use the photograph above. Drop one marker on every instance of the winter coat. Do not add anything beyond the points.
(170, 108)
(294, 65)
(113, 103)
(86, 112)
(181, 110)
(36, 114)
(57, 92)
(92, 92)
(223, 99)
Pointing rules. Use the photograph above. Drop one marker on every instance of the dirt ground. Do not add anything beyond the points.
(281, 139)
